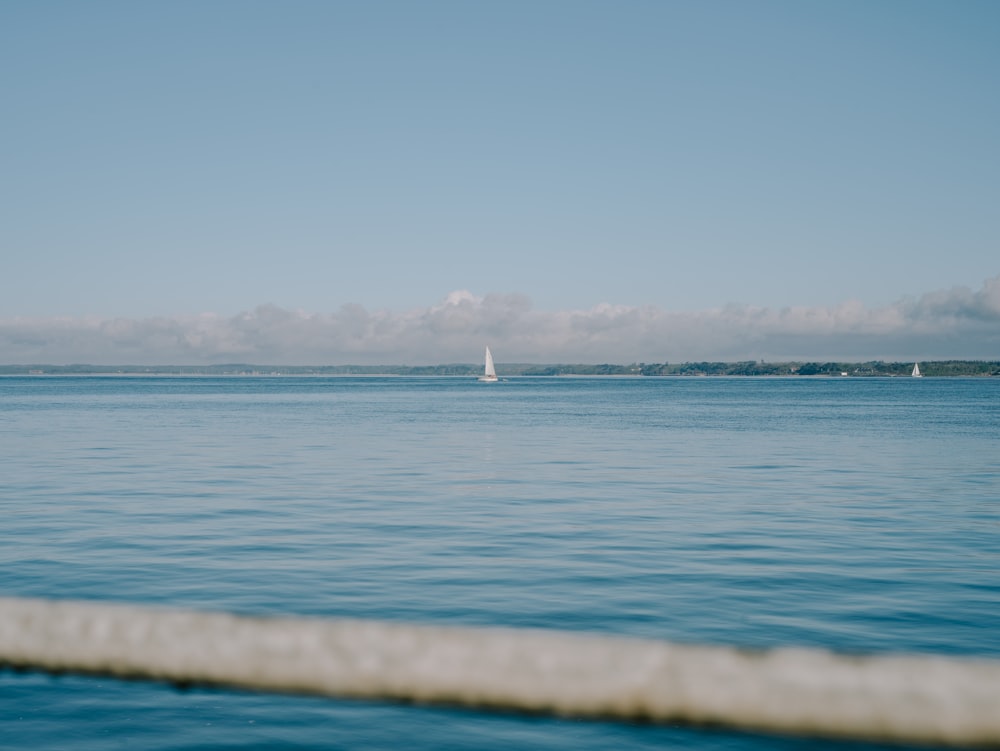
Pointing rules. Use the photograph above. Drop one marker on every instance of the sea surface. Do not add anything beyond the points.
(860, 515)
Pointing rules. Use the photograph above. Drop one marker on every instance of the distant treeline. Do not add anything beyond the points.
(932, 368)
(760, 368)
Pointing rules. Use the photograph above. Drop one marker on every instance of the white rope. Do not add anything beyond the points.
(812, 692)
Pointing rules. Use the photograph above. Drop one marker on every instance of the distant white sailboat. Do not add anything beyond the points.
(916, 371)
(490, 373)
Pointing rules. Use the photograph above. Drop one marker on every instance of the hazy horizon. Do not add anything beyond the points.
(947, 324)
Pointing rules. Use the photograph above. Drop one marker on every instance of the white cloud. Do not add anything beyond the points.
(954, 323)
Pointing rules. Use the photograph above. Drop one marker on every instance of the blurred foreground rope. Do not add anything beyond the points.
(811, 692)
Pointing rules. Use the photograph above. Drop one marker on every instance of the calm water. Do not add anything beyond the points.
(853, 514)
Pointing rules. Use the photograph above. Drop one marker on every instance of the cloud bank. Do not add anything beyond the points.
(958, 323)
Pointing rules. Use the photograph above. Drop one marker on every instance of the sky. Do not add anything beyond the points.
(566, 180)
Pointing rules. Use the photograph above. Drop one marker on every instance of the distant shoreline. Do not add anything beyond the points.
(929, 368)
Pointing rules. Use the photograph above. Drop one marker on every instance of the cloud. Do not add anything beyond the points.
(956, 323)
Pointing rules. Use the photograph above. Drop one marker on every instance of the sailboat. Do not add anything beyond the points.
(916, 371)
(490, 373)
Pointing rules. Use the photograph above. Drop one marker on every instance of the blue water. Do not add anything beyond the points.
(854, 514)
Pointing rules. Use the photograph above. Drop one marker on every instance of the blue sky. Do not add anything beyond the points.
(337, 181)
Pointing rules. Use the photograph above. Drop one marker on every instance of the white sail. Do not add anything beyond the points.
(490, 373)
(916, 370)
